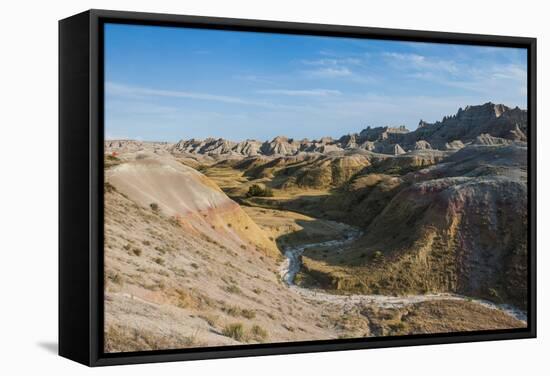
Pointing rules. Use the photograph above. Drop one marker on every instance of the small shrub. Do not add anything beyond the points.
(159, 260)
(117, 279)
(175, 221)
(233, 289)
(256, 190)
(232, 311)
(161, 250)
(108, 187)
(235, 331)
(136, 251)
(377, 256)
(112, 158)
(211, 320)
(146, 242)
(289, 328)
(248, 313)
(194, 265)
(258, 332)
(398, 327)
(185, 299)
(493, 293)
(154, 207)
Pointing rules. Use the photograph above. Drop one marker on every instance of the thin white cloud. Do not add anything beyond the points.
(302, 93)
(510, 72)
(416, 61)
(490, 80)
(255, 79)
(333, 61)
(134, 92)
(330, 72)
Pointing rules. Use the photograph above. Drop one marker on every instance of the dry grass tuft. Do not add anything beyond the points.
(235, 331)
(258, 333)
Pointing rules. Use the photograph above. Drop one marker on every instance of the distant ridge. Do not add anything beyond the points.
(451, 133)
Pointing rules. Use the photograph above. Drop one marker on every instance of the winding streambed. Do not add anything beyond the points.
(292, 264)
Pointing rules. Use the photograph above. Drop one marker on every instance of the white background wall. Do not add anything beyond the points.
(28, 185)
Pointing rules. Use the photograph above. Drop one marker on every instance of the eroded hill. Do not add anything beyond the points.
(456, 226)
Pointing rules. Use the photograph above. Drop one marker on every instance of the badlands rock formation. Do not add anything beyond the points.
(451, 133)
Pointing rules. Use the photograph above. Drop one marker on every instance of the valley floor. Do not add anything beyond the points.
(344, 235)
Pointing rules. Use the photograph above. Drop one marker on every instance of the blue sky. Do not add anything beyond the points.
(167, 84)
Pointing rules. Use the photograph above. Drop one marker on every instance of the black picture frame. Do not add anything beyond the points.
(81, 181)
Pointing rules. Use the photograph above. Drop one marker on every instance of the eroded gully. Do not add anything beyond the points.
(292, 264)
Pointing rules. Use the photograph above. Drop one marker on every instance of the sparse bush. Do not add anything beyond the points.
(258, 332)
(233, 289)
(232, 311)
(248, 313)
(235, 331)
(161, 250)
(194, 265)
(175, 221)
(493, 293)
(111, 161)
(116, 279)
(136, 251)
(211, 320)
(112, 158)
(146, 242)
(159, 260)
(289, 328)
(108, 187)
(256, 190)
(185, 299)
(398, 327)
(377, 256)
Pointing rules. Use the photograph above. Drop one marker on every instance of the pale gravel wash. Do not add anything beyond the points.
(292, 264)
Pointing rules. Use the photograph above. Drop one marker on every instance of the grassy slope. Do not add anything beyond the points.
(169, 288)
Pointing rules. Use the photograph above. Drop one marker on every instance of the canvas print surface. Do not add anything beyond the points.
(268, 188)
